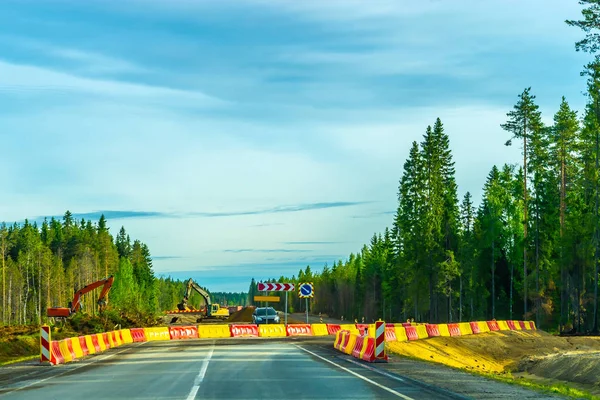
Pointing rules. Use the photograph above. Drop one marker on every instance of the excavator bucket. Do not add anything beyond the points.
(59, 312)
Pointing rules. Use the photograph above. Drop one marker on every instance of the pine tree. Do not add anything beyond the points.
(524, 121)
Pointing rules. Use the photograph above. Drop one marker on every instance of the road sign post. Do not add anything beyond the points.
(277, 287)
(305, 291)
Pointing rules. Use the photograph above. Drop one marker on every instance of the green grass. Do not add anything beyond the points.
(18, 359)
(554, 388)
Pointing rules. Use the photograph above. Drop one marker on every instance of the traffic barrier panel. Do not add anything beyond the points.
(465, 328)
(483, 327)
(76, 346)
(45, 344)
(532, 324)
(214, 331)
(511, 325)
(352, 338)
(69, 343)
(319, 330)
(90, 344)
(522, 325)
(161, 333)
(368, 353)
(137, 335)
(390, 334)
(351, 328)
(503, 325)
(272, 330)
(362, 328)
(245, 330)
(358, 345)
(493, 326)
(64, 350)
(84, 345)
(299, 330)
(107, 340)
(422, 331)
(345, 340)
(527, 325)
(365, 345)
(126, 336)
(475, 328)
(332, 329)
(432, 330)
(96, 343)
(400, 333)
(405, 324)
(444, 331)
(116, 338)
(454, 329)
(56, 357)
(183, 332)
(411, 332)
(338, 339)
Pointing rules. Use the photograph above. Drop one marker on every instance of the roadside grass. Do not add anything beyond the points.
(18, 360)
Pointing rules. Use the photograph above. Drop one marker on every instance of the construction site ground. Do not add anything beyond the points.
(518, 356)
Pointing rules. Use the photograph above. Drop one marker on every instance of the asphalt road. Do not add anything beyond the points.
(212, 369)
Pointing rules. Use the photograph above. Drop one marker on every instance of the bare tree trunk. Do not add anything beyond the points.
(525, 218)
(597, 236)
(538, 299)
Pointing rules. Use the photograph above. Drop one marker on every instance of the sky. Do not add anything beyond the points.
(251, 138)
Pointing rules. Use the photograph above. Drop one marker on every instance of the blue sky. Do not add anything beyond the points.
(249, 138)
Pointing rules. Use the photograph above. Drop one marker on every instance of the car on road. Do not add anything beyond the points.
(265, 315)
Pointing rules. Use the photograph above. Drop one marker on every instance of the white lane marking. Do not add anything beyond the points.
(201, 374)
(92, 361)
(392, 391)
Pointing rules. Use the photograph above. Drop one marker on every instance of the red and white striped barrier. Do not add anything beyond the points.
(45, 351)
(380, 355)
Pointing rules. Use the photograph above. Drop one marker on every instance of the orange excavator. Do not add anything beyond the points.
(75, 305)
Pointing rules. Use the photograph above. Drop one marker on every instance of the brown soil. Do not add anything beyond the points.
(568, 359)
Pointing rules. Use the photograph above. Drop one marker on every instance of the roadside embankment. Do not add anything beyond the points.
(533, 355)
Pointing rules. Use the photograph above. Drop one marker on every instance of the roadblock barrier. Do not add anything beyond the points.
(64, 350)
(112, 335)
(319, 330)
(138, 335)
(527, 325)
(153, 334)
(475, 328)
(493, 326)
(351, 328)
(339, 335)
(332, 329)
(465, 328)
(368, 352)
(454, 329)
(511, 325)
(272, 330)
(244, 330)
(444, 331)
(503, 326)
(107, 340)
(90, 345)
(522, 325)
(422, 331)
(183, 332)
(411, 332)
(214, 331)
(299, 330)
(400, 332)
(84, 346)
(533, 327)
(432, 330)
(358, 346)
(483, 326)
(350, 344)
(126, 335)
(56, 356)
(76, 346)
(390, 334)
(362, 328)
(345, 341)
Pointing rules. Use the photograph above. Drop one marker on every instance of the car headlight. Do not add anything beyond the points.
(277, 319)
(258, 318)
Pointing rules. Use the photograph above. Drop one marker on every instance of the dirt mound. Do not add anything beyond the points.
(244, 315)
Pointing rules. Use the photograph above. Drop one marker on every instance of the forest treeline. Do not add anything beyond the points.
(528, 250)
(42, 266)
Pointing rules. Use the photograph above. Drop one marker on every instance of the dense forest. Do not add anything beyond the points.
(529, 250)
(43, 266)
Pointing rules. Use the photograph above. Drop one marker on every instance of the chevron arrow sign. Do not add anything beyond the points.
(275, 287)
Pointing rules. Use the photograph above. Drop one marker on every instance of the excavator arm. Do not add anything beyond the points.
(191, 285)
(75, 304)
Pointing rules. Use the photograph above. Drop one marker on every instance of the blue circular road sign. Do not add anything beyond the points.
(306, 290)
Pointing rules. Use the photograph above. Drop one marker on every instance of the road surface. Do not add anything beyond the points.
(287, 368)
